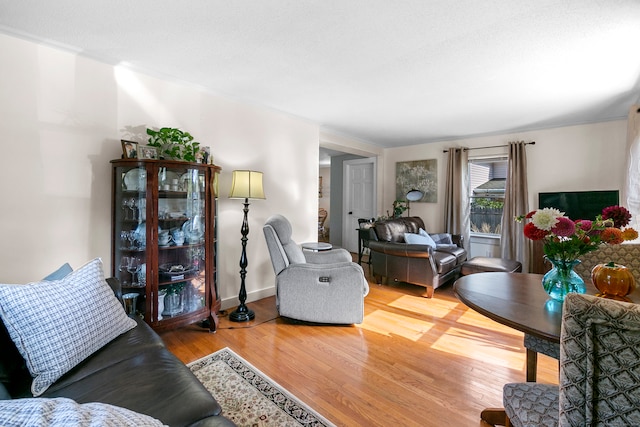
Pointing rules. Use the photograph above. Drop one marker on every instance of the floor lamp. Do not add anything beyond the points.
(413, 195)
(245, 185)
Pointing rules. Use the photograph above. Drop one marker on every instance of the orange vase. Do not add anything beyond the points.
(613, 281)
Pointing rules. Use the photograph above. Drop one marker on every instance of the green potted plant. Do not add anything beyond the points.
(173, 143)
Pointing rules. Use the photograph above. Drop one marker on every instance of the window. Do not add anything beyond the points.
(487, 179)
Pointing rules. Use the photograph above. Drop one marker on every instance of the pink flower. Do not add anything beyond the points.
(564, 227)
(584, 224)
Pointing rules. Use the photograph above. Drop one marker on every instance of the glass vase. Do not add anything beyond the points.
(561, 279)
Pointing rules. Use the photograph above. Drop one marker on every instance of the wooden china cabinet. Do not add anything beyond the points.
(164, 240)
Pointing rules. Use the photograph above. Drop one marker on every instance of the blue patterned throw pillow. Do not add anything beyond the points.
(61, 411)
(57, 324)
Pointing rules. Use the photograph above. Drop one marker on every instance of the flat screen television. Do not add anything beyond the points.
(579, 204)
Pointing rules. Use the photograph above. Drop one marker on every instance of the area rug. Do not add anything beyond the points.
(250, 398)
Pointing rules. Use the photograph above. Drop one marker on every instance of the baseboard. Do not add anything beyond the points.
(231, 302)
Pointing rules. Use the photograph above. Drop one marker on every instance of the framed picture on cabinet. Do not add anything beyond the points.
(129, 149)
(204, 155)
(147, 152)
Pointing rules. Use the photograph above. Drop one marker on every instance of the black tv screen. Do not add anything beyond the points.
(579, 204)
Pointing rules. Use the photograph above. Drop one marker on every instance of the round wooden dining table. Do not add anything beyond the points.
(513, 299)
(518, 301)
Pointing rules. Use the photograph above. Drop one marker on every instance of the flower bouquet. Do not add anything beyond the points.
(564, 240)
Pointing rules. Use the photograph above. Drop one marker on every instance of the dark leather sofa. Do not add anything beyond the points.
(134, 371)
(393, 258)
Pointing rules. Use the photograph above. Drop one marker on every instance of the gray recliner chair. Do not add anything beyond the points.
(322, 287)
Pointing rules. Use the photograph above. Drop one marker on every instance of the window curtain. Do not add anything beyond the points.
(631, 196)
(456, 198)
(513, 244)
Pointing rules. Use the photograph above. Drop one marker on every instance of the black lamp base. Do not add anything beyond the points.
(242, 314)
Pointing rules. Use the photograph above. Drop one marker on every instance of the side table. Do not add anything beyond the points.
(317, 246)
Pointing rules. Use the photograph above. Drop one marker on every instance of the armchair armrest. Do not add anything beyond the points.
(341, 274)
(328, 257)
(458, 239)
(324, 293)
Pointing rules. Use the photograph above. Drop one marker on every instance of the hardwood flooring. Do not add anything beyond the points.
(412, 362)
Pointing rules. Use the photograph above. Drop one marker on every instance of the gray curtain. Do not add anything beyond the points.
(631, 196)
(513, 244)
(456, 198)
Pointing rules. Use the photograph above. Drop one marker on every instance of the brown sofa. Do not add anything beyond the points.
(419, 264)
(134, 371)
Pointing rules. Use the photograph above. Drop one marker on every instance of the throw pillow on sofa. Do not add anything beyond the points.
(419, 239)
(57, 324)
(60, 273)
(61, 411)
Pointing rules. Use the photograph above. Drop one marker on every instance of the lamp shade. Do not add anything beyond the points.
(414, 195)
(246, 185)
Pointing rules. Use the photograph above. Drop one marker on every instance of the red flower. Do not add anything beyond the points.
(620, 215)
(534, 233)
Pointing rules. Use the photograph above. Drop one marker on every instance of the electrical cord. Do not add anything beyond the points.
(224, 313)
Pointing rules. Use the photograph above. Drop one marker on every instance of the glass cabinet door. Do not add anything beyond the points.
(181, 241)
(130, 238)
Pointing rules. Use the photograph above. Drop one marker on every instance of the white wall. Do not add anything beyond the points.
(572, 158)
(62, 117)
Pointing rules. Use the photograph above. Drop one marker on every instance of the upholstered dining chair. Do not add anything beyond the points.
(321, 287)
(599, 370)
(322, 217)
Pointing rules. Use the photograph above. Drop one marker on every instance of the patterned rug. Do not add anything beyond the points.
(248, 397)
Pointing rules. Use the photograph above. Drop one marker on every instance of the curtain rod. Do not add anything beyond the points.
(490, 146)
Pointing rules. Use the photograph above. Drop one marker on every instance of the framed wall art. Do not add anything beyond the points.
(419, 175)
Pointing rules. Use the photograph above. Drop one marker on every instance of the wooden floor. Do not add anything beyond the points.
(412, 362)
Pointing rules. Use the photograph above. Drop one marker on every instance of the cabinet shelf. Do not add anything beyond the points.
(136, 254)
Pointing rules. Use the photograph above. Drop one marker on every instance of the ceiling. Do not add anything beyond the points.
(391, 73)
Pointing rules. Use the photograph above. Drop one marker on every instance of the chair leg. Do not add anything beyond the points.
(429, 292)
(494, 417)
(532, 365)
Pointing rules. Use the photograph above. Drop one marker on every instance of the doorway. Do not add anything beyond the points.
(359, 198)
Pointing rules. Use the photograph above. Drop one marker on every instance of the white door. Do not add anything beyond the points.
(359, 198)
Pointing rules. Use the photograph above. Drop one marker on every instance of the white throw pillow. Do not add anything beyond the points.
(61, 411)
(419, 239)
(56, 325)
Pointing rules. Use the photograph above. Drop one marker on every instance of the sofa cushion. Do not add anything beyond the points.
(454, 250)
(445, 262)
(150, 380)
(65, 412)
(56, 325)
(392, 230)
